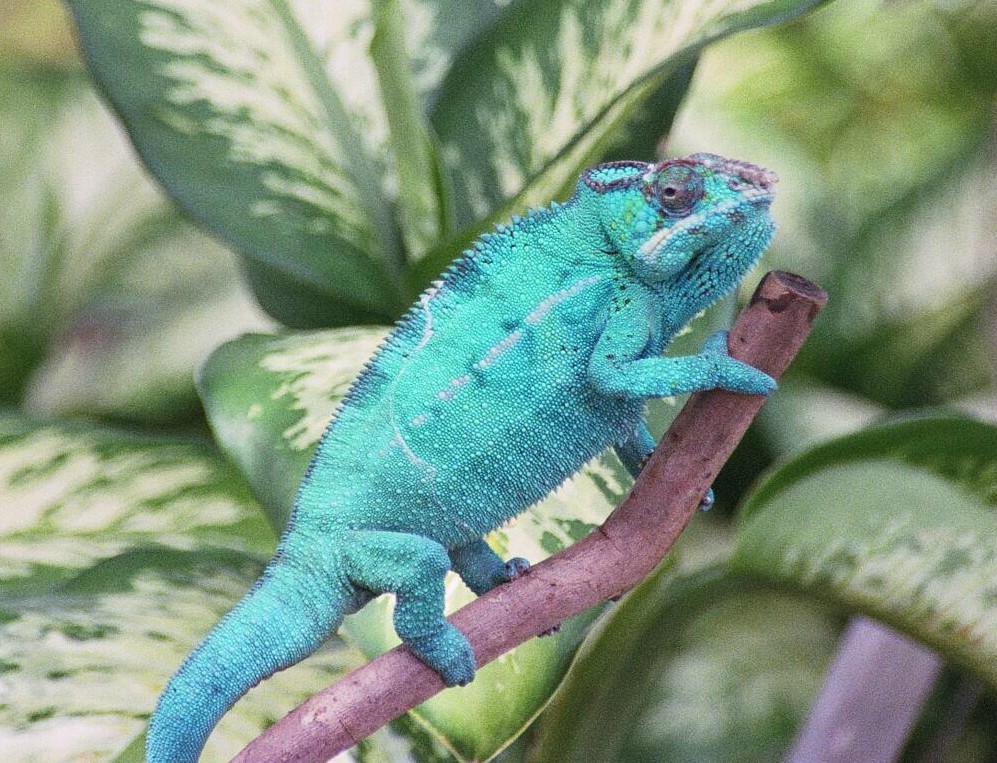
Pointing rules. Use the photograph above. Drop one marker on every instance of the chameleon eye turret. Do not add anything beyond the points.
(677, 189)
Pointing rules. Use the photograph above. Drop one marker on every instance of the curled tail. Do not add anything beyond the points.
(286, 616)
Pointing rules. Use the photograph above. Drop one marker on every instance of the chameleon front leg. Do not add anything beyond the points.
(617, 367)
(482, 569)
(412, 567)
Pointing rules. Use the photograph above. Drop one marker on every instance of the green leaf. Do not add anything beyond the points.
(236, 110)
(73, 495)
(269, 399)
(805, 413)
(146, 323)
(551, 84)
(111, 299)
(932, 355)
(84, 664)
(412, 46)
(419, 175)
(897, 522)
(29, 254)
(644, 134)
(118, 554)
(694, 665)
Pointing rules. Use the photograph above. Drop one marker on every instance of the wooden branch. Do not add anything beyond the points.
(608, 562)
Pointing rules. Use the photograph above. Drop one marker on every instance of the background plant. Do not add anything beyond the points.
(344, 158)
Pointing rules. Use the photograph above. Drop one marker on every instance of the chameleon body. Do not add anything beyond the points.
(536, 351)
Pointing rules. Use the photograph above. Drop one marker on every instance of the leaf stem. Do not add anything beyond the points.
(415, 154)
(871, 698)
(360, 166)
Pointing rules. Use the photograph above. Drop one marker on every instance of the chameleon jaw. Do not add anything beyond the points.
(670, 250)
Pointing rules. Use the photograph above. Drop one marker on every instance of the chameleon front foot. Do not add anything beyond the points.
(514, 568)
(732, 374)
(707, 503)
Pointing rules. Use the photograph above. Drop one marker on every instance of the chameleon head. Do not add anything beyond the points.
(702, 221)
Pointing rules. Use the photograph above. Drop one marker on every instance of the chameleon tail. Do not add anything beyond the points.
(285, 617)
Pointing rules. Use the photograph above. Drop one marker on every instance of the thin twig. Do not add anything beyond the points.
(605, 564)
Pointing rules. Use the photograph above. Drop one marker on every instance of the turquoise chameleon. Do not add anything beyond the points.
(535, 351)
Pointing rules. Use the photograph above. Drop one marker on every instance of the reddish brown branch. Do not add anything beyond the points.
(605, 564)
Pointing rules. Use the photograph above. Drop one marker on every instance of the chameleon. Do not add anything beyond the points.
(535, 351)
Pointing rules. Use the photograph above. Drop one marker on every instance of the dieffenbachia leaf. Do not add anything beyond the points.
(100, 270)
(117, 554)
(695, 664)
(73, 495)
(548, 88)
(235, 109)
(269, 399)
(896, 521)
(412, 44)
(268, 121)
(163, 299)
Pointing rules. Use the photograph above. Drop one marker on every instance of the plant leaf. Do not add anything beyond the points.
(111, 299)
(73, 495)
(118, 554)
(896, 521)
(694, 665)
(147, 322)
(83, 664)
(269, 399)
(235, 110)
(546, 90)
(408, 36)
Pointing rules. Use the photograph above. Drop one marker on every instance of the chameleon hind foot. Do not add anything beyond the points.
(448, 652)
(482, 569)
(413, 568)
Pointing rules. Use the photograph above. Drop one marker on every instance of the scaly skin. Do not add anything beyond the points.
(536, 351)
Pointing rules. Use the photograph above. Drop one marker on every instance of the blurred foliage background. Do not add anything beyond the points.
(881, 120)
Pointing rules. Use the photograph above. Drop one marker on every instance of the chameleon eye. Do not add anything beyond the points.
(678, 188)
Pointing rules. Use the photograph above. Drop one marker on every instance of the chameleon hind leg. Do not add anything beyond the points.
(482, 569)
(412, 567)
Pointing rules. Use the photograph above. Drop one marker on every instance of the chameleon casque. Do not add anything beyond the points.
(536, 350)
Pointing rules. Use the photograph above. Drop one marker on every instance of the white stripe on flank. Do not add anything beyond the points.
(498, 348)
(540, 311)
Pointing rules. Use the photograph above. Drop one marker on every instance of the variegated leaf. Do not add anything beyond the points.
(233, 108)
(131, 348)
(110, 298)
(896, 521)
(265, 119)
(545, 92)
(269, 399)
(83, 665)
(694, 665)
(117, 554)
(71, 496)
